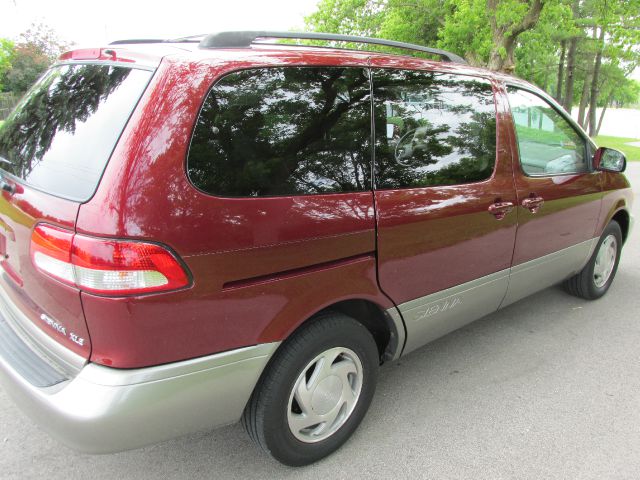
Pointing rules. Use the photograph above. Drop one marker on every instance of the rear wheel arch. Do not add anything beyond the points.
(387, 331)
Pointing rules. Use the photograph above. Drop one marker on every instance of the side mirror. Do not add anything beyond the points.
(609, 160)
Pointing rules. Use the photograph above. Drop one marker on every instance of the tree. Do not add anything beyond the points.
(617, 23)
(561, 45)
(28, 64)
(7, 53)
(538, 49)
(486, 32)
(508, 20)
(44, 39)
(567, 98)
(33, 52)
(348, 17)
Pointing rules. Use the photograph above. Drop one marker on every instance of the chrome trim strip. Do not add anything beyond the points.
(540, 273)
(42, 344)
(430, 317)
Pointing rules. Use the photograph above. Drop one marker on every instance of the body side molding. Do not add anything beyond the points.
(540, 273)
(433, 316)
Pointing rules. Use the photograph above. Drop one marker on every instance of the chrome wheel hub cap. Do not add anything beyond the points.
(325, 395)
(605, 261)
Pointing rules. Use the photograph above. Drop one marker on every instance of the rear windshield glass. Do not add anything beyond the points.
(61, 135)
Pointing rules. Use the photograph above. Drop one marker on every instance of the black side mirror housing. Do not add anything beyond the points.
(609, 160)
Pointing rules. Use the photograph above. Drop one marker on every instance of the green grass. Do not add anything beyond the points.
(619, 143)
(537, 135)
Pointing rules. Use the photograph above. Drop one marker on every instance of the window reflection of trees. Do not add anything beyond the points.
(278, 131)
(67, 96)
(432, 129)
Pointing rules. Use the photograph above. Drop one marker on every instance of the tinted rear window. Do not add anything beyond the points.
(61, 135)
(284, 131)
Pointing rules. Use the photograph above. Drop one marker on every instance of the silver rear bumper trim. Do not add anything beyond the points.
(41, 343)
(104, 410)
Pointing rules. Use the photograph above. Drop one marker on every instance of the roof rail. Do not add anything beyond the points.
(190, 39)
(244, 39)
(137, 40)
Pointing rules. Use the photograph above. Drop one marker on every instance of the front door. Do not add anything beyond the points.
(559, 195)
(444, 199)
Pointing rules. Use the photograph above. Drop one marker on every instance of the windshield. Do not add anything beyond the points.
(61, 135)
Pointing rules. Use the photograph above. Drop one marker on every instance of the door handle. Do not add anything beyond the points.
(533, 203)
(500, 209)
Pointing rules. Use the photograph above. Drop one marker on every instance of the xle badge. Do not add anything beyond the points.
(61, 329)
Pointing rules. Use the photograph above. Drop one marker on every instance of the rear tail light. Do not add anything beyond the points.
(105, 266)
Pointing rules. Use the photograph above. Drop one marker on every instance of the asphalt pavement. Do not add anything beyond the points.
(546, 388)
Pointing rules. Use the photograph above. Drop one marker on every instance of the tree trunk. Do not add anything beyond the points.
(604, 109)
(567, 101)
(584, 99)
(563, 51)
(595, 90)
(504, 36)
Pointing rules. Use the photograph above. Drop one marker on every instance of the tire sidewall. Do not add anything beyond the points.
(280, 441)
(596, 292)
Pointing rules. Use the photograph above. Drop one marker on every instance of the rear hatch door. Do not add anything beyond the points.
(53, 150)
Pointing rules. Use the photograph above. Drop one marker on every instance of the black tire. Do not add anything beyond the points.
(266, 415)
(583, 284)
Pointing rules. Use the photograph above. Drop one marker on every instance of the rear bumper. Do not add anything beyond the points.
(103, 410)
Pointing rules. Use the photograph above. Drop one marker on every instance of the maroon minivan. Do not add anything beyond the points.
(214, 228)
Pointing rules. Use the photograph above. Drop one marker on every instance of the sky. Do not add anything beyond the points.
(92, 23)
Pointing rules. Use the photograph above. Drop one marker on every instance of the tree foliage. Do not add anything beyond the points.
(28, 57)
(7, 54)
(28, 64)
(580, 51)
(43, 39)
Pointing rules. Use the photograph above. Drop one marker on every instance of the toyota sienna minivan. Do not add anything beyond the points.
(211, 229)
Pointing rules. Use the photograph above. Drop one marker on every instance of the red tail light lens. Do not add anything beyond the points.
(105, 266)
(51, 252)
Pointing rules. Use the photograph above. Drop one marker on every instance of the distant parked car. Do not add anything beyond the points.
(198, 231)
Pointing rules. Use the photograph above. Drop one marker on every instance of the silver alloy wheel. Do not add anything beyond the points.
(325, 395)
(605, 261)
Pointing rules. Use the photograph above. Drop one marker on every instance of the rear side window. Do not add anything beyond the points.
(61, 135)
(432, 129)
(284, 131)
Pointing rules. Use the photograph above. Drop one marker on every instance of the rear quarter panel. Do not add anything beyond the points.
(260, 265)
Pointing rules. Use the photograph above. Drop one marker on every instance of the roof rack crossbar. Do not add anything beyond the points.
(244, 39)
